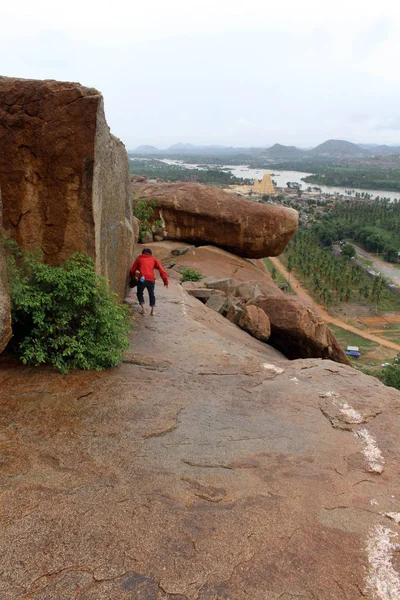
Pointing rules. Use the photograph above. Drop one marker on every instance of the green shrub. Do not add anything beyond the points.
(188, 274)
(391, 376)
(65, 316)
(143, 210)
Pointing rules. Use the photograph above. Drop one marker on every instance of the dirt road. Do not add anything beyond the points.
(302, 293)
(387, 269)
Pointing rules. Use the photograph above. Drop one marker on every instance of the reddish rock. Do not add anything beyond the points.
(225, 284)
(232, 309)
(207, 466)
(255, 321)
(214, 262)
(204, 214)
(248, 290)
(138, 178)
(297, 331)
(216, 301)
(64, 177)
(5, 314)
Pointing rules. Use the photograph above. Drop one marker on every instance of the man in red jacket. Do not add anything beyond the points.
(145, 264)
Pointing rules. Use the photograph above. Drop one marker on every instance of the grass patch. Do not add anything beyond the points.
(391, 336)
(372, 354)
(348, 338)
(279, 279)
(364, 261)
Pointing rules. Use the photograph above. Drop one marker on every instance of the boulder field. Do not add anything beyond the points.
(293, 327)
(202, 214)
(207, 467)
(64, 178)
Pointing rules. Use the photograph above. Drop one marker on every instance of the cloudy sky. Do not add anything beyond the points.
(219, 71)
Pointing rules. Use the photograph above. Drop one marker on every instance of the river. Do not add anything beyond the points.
(282, 177)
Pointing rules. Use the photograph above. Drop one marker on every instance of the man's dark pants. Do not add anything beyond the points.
(149, 285)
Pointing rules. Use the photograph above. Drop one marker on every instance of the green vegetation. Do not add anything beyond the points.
(155, 169)
(276, 275)
(347, 338)
(374, 224)
(143, 210)
(333, 279)
(64, 316)
(188, 274)
(348, 251)
(376, 178)
(365, 261)
(390, 376)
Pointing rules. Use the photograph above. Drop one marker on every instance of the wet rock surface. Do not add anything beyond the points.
(207, 466)
(64, 178)
(203, 214)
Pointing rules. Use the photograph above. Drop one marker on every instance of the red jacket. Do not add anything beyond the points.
(146, 264)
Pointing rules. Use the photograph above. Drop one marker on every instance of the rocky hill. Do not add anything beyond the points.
(334, 149)
(338, 149)
(234, 454)
(278, 151)
(145, 149)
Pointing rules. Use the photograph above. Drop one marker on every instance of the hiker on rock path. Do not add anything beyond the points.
(145, 265)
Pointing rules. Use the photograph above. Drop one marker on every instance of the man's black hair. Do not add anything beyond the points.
(147, 251)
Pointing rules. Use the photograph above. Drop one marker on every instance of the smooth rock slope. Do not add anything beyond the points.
(64, 177)
(206, 467)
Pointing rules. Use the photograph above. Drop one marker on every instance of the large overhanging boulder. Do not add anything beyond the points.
(5, 314)
(64, 177)
(202, 214)
(297, 331)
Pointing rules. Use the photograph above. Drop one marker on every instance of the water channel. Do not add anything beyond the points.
(282, 177)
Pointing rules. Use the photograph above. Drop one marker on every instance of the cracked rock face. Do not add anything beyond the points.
(64, 177)
(204, 214)
(298, 331)
(5, 314)
(207, 467)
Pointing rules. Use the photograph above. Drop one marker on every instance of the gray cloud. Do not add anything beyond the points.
(237, 85)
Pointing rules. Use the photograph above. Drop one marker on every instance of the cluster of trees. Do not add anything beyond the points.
(375, 225)
(156, 169)
(377, 178)
(333, 278)
(390, 375)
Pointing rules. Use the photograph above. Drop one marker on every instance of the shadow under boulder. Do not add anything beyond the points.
(297, 331)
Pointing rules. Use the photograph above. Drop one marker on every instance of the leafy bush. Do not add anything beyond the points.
(348, 250)
(188, 274)
(143, 210)
(390, 376)
(65, 316)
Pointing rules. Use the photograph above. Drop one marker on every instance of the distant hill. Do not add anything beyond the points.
(182, 147)
(331, 149)
(385, 150)
(278, 151)
(338, 149)
(146, 150)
